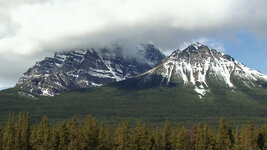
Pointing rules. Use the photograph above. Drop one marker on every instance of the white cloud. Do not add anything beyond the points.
(38, 23)
(30, 28)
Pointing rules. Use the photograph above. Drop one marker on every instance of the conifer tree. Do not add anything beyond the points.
(194, 135)
(54, 139)
(9, 134)
(90, 133)
(33, 140)
(264, 132)
(249, 135)
(261, 140)
(224, 136)
(1, 137)
(197, 136)
(237, 144)
(209, 138)
(204, 139)
(155, 140)
(122, 137)
(173, 138)
(183, 140)
(140, 137)
(22, 132)
(74, 134)
(63, 136)
(43, 135)
(104, 139)
(166, 135)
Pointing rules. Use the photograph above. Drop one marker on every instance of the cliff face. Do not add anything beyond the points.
(87, 68)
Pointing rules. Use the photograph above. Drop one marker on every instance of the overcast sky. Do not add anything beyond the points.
(33, 29)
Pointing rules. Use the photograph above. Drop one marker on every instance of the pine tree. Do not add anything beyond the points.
(155, 140)
(224, 136)
(54, 139)
(204, 139)
(63, 135)
(33, 140)
(1, 137)
(183, 140)
(74, 134)
(22, 132)
(122, 137)
(104, 139)
(198, 138)
(166, 135)
(249, 135)
(9, 134)
(261, 140)
(43, 135)
(173, 137)
(140, 137)
(264, 131)
(90, 133)
(237, 144)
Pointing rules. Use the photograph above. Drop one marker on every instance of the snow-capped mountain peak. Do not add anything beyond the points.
(86, 68)
(200, 67)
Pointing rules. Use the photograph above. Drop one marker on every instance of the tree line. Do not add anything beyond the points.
(18, 134)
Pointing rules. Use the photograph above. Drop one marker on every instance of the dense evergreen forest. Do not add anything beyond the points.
(18, 134)
(152, 106)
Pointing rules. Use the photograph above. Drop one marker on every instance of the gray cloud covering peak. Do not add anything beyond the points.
(33, 29)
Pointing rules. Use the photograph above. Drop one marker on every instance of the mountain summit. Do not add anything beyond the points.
(202, 68)
(87, 68)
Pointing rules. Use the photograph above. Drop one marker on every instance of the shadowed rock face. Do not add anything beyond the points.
(87, 68)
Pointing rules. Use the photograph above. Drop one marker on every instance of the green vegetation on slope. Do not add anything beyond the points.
(111, 105)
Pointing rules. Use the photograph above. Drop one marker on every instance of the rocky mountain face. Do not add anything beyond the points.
(202, 68)
(87, 68)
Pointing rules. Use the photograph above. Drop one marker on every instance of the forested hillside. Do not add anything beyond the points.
(153, 106)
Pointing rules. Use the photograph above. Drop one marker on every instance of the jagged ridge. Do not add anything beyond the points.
(202, 68)
(87, 68)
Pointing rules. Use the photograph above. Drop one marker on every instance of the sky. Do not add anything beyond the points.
(31, 30)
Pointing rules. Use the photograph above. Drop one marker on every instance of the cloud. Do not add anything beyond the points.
(36, 28)
(36, 23)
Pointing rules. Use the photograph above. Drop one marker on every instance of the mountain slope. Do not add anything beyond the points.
(202, 69)
(169, 91)
(153, 106)
(87, 68)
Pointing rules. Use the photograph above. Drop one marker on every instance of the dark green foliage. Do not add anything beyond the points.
(19, 135)
(63, 136)
(261, 141)
(110, 105)
(41, 137)
(155, 140)
(104, 139)
(238, 144)
(122, 137)
(249, 137)
(166, 136)
(90, 133)
(74, 135)
(1, 137)
(224, 139)
(140, 139)
(9, 134)
(22, 134)
(183, 139)
(204, 138)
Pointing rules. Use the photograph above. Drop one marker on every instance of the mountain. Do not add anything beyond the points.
(87, 68)
(197, 84)
(202, 69)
